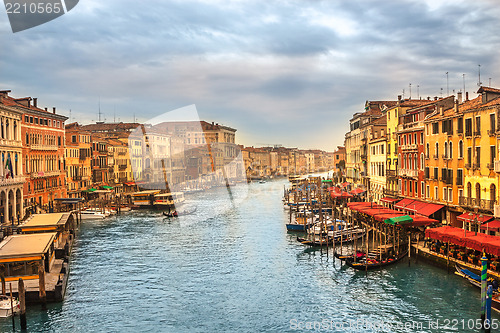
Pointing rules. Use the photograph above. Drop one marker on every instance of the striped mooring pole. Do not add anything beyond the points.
(487, 323)
(484, 285)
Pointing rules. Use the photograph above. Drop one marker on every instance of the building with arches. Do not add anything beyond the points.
(11, 160)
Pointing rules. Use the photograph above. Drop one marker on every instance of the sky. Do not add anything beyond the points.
(280, 72)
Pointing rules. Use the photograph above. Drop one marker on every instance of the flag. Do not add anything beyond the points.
(8, 167)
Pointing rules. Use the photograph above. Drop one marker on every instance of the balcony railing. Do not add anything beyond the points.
(445, 156)
(477, 203)
(392, 193)
(490, 166)
(477, 133)
(12, 180)
(77, 178)
(43, 174)
(409, 147)
(491, 132)
(468, 133)
(122, 167)
(392, 173)
(436, 156)
(44, 147)
(408, 173)
(476, 166)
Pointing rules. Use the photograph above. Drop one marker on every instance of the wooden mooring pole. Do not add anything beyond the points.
(4, 291)
(41, 286)
(12, 307)
(22, 303)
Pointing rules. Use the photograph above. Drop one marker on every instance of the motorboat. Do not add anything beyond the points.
(6, 306)
(89, 214)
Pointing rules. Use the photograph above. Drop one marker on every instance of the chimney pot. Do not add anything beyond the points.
(45, 109)
(399, 97)
(466, 95)
(35, 102)
(459, 97)
(54, 110)
(428, 98)
(435, 98)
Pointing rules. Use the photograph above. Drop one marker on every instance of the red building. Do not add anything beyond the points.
(43, 139)
(411, 151)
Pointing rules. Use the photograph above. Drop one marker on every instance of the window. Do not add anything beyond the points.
(460, 177)
(450, 194)
(36, 120)
(478, 125)
(73, 138)
(422, 161)
(436, 171)
(422, 189)
(445, 153)
(450, 155)
(492, 154)
(445, 194)
(460, 125)
(460, 193)
(415, 138)
(468, 127)
(436, 193)
(478, 155)
(26, 119)
(388, 148)
(428, 192)
(492, 123)
(469, 155)
(460, 149)
(426, 172)
(435, 128)
(422, 138)
(437, 150)
(427, 150)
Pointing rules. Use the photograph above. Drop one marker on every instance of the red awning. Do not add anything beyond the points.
(357, 191)
(130, 183)
(491, 226)
(424, 208)
(421, 221)
(404, 203)
(479, 241)
(471, 217)
(388, 200)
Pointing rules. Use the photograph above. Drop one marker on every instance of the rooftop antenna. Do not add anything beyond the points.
(114, 114)
(441, 92)
(479, 83)
(418, 91)
(403, 93)
(99, 113)
(410, 90)
(70, 115)
(447, 85)
(463, 77)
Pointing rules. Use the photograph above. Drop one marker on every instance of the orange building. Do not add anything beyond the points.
(43, 138)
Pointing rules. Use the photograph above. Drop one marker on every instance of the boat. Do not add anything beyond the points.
(168, 200)
(144, 199)
(473, 278)
(6, 306)
(359, 255)
(182, 213)
(92, 215)
(297, 226)
(262, 181)
(372, 263)
(316, 242)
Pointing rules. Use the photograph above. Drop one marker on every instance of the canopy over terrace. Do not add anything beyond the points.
(417, 206)
(381, 213)
(480, 242)
(491, 226)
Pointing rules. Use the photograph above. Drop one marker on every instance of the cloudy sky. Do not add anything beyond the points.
(287, 72)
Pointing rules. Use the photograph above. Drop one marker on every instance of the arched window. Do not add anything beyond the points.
(469, 190)
(460, 149)
(445, 152)
(450, 155)
(493, 193)
(427, 150)
(422, 161)
(478, 192)
(415, 161)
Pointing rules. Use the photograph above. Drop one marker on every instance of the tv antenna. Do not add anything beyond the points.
(479, 83)
(447, 85)
(410, 90)
(418, 91)
(463, 77)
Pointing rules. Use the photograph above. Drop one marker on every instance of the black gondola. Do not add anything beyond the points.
(360, 255)
(373, 263)
(176, 214)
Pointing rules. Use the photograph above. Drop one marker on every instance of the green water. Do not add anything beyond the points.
(238, 270)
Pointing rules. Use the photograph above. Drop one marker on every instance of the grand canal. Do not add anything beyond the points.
(238, 270)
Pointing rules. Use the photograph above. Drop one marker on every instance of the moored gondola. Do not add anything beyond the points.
(371, 263)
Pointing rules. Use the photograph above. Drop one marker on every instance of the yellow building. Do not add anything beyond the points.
(120, 170)
(480, 152)
(78, 158)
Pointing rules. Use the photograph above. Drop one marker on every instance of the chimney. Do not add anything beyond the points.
(1, 98)
(435, 98)
(466, 95)
(456, 103)
(441, 110)
(459, 97)
(35, 104)
(54, 110)
(399, 98)
(428, 98)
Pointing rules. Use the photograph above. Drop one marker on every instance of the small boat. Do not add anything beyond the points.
(296, 226)
(262, 181)
(372, 263)
(6, 306)
(182, 213)
(474, 279)
(359, 255)
(91, 215)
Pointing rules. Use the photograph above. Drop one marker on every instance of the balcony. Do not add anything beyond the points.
(11, 143)
(467, 165)
(491, 132)
(483, 204)
(12, 180)
(122, 167)
(445, 156)
(409, 147)
(76, 178)
(408, 173)
(391, 193)
(44, 147)
(43, 174)
(363, 156)
(490, 166)
(476, 166)
(468, 134)
(122, 153)
(497, 166)
(391, 173)
(436, 156)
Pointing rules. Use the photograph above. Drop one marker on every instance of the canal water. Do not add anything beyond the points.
(236, 269)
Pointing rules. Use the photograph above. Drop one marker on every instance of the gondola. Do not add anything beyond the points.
(360, 255)
(374, 263)
(316, 242)
(474, 279)
(183, 213)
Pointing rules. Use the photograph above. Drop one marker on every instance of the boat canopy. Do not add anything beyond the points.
(405, 219)
(106, 187)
